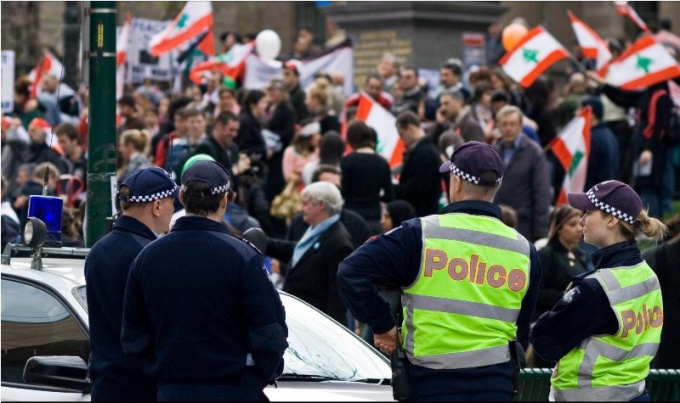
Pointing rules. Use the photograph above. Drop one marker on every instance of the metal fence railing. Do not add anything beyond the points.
(663, 385)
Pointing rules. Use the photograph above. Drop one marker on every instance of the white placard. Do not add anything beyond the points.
(114, 191)
(7, 70)
(140, 64)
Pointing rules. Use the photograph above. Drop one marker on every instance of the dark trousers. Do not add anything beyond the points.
(209, 393)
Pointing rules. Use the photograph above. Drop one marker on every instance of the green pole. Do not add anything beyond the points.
(101, 163)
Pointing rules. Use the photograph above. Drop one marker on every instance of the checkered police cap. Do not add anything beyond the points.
(471, 159)
(612, 197)
(211, 173)
(147, 185)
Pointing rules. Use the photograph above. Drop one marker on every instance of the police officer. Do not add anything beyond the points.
(469, 284)
(146, 199)
(606, 328)
(200, 312)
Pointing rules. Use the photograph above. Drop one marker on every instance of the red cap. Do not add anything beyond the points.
(39, 123)
(6, 122)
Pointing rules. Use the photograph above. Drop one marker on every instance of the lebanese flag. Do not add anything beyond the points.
(644, 63)
(390, 145)
(625, 9)
(534, 53)
(47, 65)
(195, 18)
(572, 149)
(590, 42)
(231, 64)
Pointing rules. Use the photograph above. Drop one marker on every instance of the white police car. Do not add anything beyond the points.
(45, 342)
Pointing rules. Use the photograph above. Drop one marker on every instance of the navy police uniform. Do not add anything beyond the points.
(201, 314)
(115, 377)
(395, 257)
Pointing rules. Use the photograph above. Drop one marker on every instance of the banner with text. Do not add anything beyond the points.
(339, 59)
(140, 64)
(7, 69)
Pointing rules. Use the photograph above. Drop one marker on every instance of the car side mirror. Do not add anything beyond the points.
(60, 371)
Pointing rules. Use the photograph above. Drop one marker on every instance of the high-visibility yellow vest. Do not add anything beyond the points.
(615, 367)
(461, 310)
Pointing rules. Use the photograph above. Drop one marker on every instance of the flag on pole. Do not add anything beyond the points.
(590, 42)
(534, 54)
(390, 145)
(625, 9)
(122, 41)
(572, 149)
(644, 63)
(48, 64)
(231, 64)
(195, 18)
(121, 54)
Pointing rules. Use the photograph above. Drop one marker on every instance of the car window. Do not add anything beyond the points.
(320, 347)
(34, 322)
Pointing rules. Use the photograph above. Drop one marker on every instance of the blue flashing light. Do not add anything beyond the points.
(48, 209)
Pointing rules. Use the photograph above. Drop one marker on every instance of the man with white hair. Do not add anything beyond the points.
(314, 259)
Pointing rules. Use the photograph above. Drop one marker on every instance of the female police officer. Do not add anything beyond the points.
(606, 328)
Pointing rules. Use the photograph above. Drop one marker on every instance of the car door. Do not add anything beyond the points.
(37, 321)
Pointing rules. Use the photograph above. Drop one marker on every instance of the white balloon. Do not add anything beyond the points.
(268, 44)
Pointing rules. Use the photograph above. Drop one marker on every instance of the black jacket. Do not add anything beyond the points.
(197, 302)
(314, 277)
(115, 376)
(420, 182)
(214, 149)
(249, 138)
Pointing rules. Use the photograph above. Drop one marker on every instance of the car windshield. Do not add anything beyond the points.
(319, 348)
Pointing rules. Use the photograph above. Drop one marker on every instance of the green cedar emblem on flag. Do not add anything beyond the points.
(530, 55)
(644, 63)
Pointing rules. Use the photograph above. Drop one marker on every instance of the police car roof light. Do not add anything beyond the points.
(48, 209)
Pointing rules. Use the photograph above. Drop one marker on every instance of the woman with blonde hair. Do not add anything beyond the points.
(605, 330)
(134, 151)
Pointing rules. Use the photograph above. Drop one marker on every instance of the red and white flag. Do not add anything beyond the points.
(48, 64)
(644, 63)
(590, 42)
(390, 145)
(625, 9)
(534, 54)
(231, 64)
(121, 54)
(572, 149)
(122, 41)
(195, 18)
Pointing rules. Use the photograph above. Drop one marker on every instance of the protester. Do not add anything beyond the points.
(526, 185)
(419, 181)
(363, 193)
(314, 259)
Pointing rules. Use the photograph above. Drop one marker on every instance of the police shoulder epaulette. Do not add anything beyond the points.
(252, 245)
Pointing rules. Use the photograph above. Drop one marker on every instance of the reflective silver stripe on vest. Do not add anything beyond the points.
(618, 294)
(607, 393)
(597, 348)
(460, 307)
(468, 359)
(431, 229)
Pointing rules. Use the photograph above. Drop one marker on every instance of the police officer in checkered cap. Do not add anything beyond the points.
(469, 288)
(146, 198)
(606, 329)
(200, 310)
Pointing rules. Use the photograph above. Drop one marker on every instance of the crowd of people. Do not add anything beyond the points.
(302, 168)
